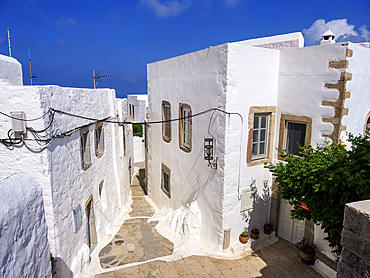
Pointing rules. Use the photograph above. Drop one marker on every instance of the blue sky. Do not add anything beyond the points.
(69, 39)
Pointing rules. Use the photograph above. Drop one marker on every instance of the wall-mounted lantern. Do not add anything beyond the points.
(208, 153)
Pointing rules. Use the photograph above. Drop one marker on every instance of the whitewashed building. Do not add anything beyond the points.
(81, 163)
(24, 248)
(273, 92)
(138, 113)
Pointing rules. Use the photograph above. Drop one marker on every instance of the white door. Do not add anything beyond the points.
(289, 229)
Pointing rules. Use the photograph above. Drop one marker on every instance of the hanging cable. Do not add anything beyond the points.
(125, 122)
(24, 120)
(51, 119)
(240, 145)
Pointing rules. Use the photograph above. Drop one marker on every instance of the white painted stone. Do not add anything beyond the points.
(58, 168)
(234, 77)
(359, 66)
(139, 149)
(10, 71)
(292, 40)
(324, 270)
(24, 248)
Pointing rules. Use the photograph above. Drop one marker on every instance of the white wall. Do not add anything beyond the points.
(127, 149)
(199, 80)
(292, 40)
(24, 248)
(10, 71)
(75, 188)
(252, 81)
(303, 74)
(20, 159)
(58, 169)
(302, 77)
(139, 149)
(139, 102)
(359, 102)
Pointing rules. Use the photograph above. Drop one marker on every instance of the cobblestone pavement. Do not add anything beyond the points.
(280, 259)
(138, 241)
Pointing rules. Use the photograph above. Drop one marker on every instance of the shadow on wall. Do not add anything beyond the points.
(61, 268)
(196, 177)
(259, 215)
(141, 177)
(195, 180)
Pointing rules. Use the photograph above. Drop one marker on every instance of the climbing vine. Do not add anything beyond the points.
(320, 181)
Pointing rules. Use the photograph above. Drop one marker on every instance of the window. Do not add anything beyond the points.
(295, 137)
(261, 124)
(99, 140)
(260, 135)
(165, 181)
(85, 148)
(367, 123)
(132, 110)
(295, 131)
(185, 127)
(77, 217)
(166, 126)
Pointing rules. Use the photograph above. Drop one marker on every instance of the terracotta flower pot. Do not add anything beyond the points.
(243, 239)
(267, 230)
(307, 258)
(254, 236)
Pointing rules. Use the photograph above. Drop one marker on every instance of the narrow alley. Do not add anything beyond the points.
(137, 241)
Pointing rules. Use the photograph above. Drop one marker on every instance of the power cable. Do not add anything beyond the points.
(125, 122)
(24, 120)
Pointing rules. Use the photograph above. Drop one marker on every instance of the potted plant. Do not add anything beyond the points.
(243, 238)
(255, 233)
(267, 228)
(307, 251)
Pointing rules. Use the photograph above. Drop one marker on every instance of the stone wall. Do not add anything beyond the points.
(355, 258)
(24, 248)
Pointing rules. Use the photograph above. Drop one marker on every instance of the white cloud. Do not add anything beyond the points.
(167, 8)
(65, 22)
(341, 29)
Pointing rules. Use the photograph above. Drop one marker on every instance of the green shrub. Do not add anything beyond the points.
(320, 182)
(137, 130)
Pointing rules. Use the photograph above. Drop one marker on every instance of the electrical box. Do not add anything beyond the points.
(19, 126)
(247, 199)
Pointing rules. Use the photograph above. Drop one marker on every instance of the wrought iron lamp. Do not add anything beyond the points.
(208, 153)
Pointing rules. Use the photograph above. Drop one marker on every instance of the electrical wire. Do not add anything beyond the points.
(240, 145)
(51, 119)
(24, 120)
(127, 122)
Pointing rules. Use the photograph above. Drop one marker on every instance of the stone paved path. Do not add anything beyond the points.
(280, 259)
(137, 240)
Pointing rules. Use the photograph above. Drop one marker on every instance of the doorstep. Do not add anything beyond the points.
(253, 244)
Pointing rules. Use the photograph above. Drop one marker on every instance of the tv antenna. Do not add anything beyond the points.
(97, 77)
(10, 48)
(29, 58)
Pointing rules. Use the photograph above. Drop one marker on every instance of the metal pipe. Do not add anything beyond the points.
(10, 48)
(29, 59)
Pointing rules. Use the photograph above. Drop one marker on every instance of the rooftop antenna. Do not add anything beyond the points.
(29, 58)
(10, 48)
(97, 77)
